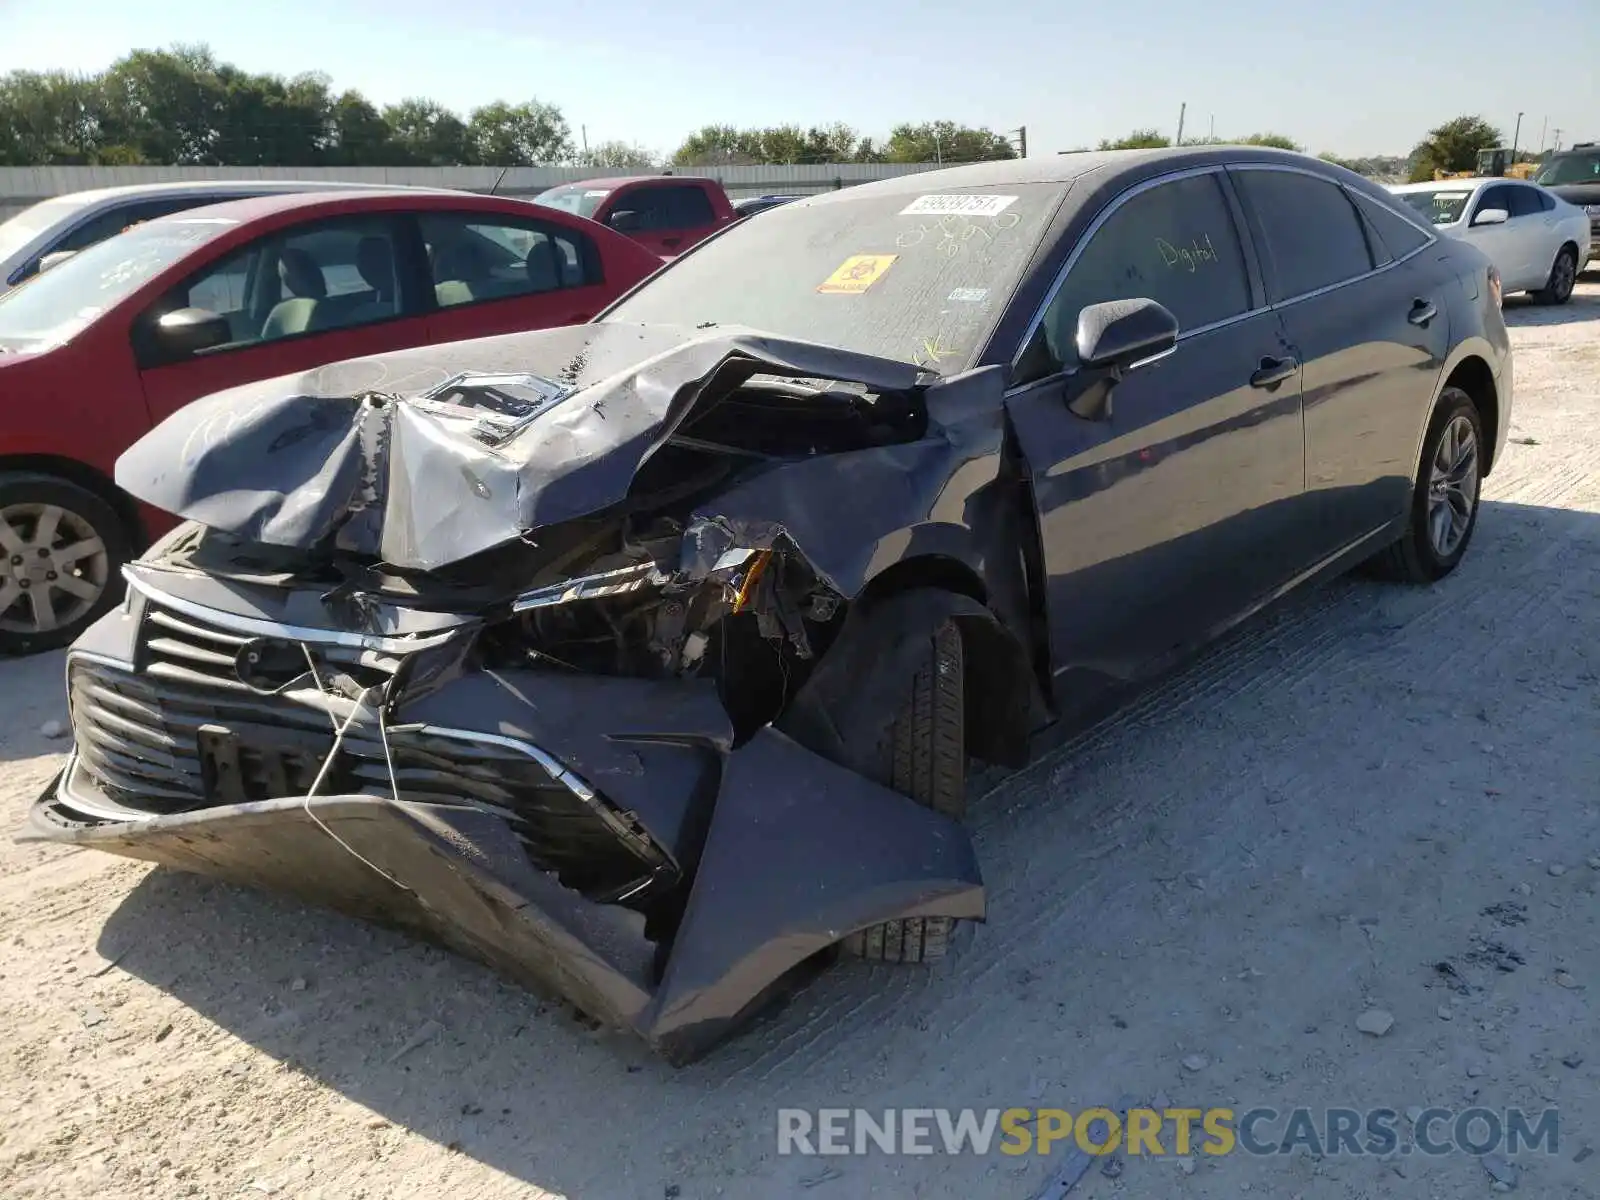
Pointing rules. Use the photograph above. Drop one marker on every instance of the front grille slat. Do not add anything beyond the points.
(187, 650)
(139, 737)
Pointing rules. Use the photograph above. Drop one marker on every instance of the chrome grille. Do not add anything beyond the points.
(142, 737)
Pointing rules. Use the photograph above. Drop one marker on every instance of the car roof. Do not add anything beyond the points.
(1064, 169)
(611, 182)
(189, 187)
(255, 207)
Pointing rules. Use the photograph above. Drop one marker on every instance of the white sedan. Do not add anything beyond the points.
(1537, 241)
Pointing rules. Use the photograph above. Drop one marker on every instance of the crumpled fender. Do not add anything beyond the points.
(845, 709)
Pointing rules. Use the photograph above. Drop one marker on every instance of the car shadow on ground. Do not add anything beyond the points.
(442, 1047)
(1522, 311)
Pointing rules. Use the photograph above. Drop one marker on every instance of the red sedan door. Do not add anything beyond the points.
(496, 272)
(296, 298)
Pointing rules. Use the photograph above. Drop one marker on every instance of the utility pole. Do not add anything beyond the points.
(584, 130)
(1543, 126)
(1514, 139)
(1557, 132)
(1182, 108)
(1212, 136)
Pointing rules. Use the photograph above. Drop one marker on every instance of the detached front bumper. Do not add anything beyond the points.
(518, 817)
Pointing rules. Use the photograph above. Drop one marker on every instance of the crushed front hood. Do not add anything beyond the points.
(396, 456)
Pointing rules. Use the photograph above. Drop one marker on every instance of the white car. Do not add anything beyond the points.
(1537, 241)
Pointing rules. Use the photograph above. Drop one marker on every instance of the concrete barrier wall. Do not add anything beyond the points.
(22, 186)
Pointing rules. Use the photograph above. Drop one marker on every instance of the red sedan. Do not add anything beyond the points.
(105, 345)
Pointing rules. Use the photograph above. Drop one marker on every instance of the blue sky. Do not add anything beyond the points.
(1351, 76)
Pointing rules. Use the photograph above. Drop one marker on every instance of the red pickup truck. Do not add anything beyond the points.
(666, 213)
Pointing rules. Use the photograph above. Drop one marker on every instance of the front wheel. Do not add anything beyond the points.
(61, 550)
(926, 759)
(1444, 506)
(1563, 278)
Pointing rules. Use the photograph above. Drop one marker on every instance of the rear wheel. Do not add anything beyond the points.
(61, 553)
(1563, 278)
(926, 759)
(1444, 506)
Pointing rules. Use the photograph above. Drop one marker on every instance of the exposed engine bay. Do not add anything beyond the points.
(571, 668)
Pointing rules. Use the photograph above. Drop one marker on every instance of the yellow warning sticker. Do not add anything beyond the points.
(857, 273)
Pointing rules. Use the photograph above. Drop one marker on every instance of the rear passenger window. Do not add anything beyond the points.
(1175, 244)
(479, 257)
(658, 207)
(1313, 236)
(1401, 236)
(1524, 202)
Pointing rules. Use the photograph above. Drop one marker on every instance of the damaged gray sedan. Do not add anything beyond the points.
(643, 660)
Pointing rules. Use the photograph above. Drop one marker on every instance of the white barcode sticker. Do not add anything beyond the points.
(958, 206)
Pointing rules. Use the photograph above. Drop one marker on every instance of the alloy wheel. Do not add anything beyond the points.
(1566, 276)
(54, 568)
(1453, 486)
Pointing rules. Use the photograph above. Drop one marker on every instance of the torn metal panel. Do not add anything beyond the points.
(306, 460)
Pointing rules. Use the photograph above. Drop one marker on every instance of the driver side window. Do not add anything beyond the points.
(1175, 243)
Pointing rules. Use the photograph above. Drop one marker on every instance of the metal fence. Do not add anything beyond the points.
(22, 186)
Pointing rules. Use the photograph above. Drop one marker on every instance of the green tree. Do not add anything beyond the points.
(1277, 140)
(946, 142)
(1453, 146)
(426, 134)
(718, 145)
(518, 135)
(168, 105)
(1139, 139)
(49, 117)
(617, 156)
(360, 135)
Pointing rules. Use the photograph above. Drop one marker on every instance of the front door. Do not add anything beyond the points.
(296, 299)
(1174, 515)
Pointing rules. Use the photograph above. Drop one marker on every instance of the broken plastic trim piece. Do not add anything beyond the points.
(588, 587)
(632, 579)
(262, 627)
(552, 768)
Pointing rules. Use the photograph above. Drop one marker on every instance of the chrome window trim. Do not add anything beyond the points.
(1219, 168)
(264, 627)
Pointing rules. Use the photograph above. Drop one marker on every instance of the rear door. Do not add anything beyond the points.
(296, 299)
(1370, 325)
(1535, 211)
(1176, 514)
(493, 273)
(667, 218)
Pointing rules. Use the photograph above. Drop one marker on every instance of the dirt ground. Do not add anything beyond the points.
(1296, 829)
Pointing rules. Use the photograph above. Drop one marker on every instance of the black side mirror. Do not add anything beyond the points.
(187, 331)
(624, 220)
(1112, 339)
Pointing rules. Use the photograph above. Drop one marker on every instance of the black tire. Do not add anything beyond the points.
(926, 759)
(1563, 278)
(80, 517)
(1416, 557)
